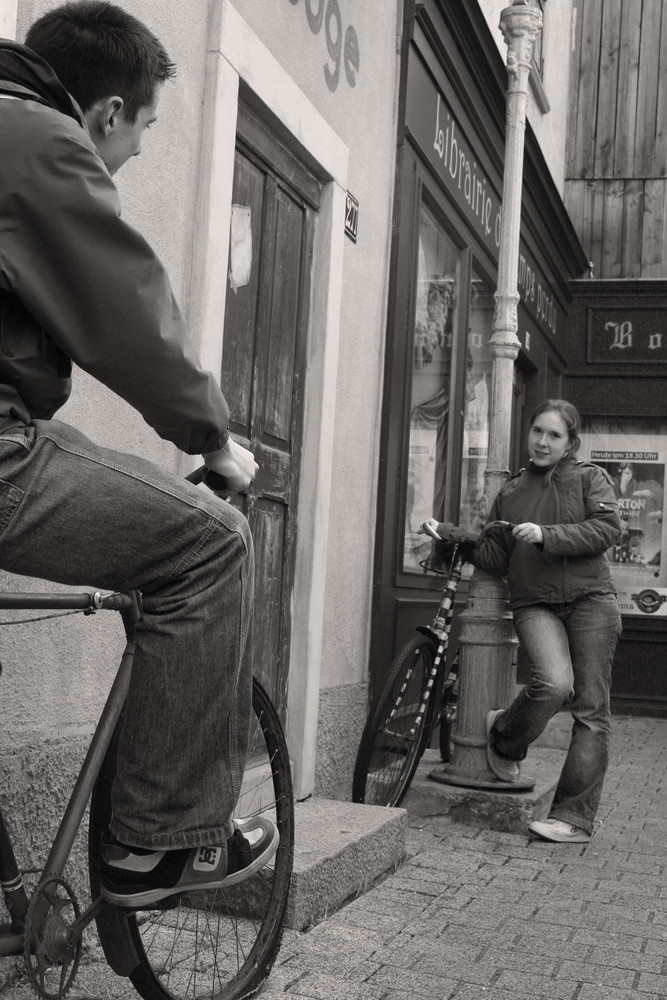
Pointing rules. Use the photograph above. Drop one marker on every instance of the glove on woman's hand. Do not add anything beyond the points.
(447, 534)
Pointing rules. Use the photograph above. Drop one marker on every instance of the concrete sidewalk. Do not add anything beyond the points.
(475, 914)
(480, 915)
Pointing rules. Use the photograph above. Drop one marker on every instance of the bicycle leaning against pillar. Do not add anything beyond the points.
(219, 943)
(421, 690)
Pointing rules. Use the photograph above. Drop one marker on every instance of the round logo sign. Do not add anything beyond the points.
(649, 601)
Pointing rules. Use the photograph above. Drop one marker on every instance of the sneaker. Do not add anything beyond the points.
(136, 878)
(556, 829)
(504, 768)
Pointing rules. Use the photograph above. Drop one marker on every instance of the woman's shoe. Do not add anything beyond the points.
(558, 830)
(504, 768)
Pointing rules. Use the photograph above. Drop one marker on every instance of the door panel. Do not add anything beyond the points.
(263, 366)
(279, 396)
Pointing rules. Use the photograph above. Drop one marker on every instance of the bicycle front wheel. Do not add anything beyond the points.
(211, 943)
(395, 734)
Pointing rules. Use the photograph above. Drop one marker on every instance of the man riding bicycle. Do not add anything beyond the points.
(78, 284)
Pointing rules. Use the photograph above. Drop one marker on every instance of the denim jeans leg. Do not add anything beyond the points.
(543, 639)
(593, 626)
(81, 515)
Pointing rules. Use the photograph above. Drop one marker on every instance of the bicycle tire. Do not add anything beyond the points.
(395, 734)
(215, 943)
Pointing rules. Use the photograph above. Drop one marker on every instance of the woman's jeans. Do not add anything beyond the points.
(86, 516)
(570, 648)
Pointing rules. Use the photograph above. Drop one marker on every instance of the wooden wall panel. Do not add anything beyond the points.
(587, 89)
(628, 79)
(653, 228)
(617, 144)
(660, 152)
(647, 89)
(604, 129)
(631, 242)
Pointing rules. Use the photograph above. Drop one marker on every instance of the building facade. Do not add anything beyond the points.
(448, 213)
(617, 373)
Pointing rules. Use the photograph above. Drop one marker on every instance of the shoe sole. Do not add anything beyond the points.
(149, 896)
(559, 838)
(490, 719)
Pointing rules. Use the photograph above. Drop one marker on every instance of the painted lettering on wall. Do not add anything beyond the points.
(533, 293)
(342, 46)
(471, 182)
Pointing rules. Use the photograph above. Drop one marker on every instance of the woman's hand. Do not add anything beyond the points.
(430, 527)
(529, 532)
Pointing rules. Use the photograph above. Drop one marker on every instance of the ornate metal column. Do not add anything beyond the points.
(487, 642)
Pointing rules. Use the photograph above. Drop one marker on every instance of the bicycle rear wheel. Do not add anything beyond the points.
(214, 943)
(396, 732)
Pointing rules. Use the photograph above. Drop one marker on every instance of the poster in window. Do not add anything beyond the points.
(635, 461)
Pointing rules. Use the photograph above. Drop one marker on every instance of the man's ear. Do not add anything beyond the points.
(102, 116)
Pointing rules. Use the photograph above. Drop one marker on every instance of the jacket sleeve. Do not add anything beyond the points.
(99, 291)
(493, 552)
(601, 527)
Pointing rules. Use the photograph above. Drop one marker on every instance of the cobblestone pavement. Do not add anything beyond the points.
(479, 915)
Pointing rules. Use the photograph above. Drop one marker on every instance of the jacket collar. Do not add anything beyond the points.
(25, 75)
(549, 471)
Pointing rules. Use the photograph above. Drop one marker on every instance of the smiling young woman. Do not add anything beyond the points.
(565, 612)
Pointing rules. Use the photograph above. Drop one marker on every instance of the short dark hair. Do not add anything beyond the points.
(97, 49)
(570, 416)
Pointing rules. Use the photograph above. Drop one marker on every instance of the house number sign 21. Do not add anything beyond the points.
(351, 216)
(342, 47)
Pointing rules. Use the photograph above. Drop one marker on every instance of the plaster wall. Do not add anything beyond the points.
(550, 127)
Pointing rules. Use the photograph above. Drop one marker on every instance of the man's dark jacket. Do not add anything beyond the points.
(77, 283)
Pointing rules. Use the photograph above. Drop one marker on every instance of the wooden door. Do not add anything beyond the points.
(274, 203)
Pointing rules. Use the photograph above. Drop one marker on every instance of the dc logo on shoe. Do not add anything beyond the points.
(206, 859)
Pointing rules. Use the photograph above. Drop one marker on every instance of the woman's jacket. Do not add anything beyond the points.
(574, 504)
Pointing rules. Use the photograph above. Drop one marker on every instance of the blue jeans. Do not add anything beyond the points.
(78, 514)
(570, 648)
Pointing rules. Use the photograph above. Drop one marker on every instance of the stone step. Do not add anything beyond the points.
(340, 849)
(505, 810)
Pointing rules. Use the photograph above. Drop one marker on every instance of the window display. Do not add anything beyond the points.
(436, 310)
(479, 364)
(634, 453)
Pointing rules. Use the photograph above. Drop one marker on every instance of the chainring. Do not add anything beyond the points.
(51, 956)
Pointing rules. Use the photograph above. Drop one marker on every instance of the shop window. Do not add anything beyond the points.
(437, 303)
(477, 395)
(634, 453)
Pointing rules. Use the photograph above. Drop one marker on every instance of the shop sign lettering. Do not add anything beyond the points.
(463, 171)
(340, 47)
(622, 336)
(433, 125)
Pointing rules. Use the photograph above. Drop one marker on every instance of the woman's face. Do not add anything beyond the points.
(548, 439)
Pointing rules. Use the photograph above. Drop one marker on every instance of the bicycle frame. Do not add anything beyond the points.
(440, 627)
(12, 934)
(438, 630)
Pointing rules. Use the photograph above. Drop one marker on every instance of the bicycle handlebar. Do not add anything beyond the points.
(93, 601)
(213, 480)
